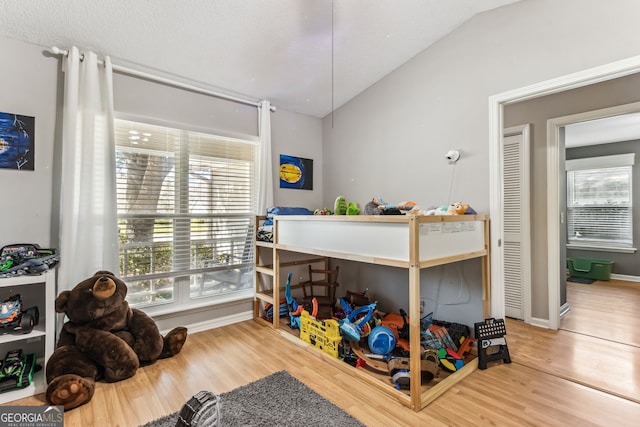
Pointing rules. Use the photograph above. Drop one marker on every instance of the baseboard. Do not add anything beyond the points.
(564, 309)
(625, 277)
(541, 323)
(218, 322)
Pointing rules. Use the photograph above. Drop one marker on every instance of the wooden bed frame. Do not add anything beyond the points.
(413, 242)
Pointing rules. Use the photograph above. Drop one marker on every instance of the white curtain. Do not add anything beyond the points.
(265, 168)
(88, 217)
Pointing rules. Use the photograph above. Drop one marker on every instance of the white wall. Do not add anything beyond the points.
(301, 136)
(391, 140)
(28, 85)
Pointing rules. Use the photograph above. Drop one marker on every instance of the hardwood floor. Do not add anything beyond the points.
(547, 384)
(605, 309)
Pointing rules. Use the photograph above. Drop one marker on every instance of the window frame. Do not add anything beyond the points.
(595, 164)
(181, 298)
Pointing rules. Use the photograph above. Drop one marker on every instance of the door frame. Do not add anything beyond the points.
(496, 125)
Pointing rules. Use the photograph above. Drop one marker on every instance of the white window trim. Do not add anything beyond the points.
(601, 162)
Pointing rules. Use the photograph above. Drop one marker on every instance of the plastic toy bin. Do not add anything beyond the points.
(596, 269)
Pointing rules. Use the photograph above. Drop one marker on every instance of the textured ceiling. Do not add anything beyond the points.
(280, 50)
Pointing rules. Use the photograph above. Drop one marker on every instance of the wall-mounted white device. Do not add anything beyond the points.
(453, 155)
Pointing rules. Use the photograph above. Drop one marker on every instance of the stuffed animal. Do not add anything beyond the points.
(103, 339)
(384, 206)
(458, 208)
(440, 210)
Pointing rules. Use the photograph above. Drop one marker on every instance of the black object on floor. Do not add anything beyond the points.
(584, 280)
(491, 343)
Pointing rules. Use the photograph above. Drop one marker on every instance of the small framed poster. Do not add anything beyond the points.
(296, 172)
(17, 141)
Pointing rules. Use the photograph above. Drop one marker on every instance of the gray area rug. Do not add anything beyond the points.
(276, 400)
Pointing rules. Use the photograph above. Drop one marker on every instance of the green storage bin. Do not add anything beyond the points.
(596, 269)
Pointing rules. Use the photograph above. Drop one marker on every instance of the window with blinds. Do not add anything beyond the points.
(599, 203)
(186, 203)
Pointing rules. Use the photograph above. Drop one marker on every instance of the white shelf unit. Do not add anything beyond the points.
(413, 242)
(35, 290)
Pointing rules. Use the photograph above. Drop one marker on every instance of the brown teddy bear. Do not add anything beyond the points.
(103, 339)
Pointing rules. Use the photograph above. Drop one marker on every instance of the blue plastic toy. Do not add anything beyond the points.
(381, 340)
(295, 309)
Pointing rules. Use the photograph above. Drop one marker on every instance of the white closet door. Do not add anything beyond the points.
(517, 276)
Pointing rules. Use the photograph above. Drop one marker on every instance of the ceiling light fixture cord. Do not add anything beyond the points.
(332, 91)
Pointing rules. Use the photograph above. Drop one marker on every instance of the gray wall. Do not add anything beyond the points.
(28, 87)
(31, 85)
(391, 140)
(627, 264)
(537, 111)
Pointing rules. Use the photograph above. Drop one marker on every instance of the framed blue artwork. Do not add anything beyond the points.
(296, 172)
(16, 141)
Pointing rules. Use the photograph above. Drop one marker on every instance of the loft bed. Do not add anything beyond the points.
(413, 242)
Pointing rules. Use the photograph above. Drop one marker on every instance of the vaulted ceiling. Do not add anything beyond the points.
(307, 56)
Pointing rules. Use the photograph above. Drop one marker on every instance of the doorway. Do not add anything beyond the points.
(545, 299)
(605, 308)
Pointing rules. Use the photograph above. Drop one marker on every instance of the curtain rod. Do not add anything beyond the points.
(135, 73)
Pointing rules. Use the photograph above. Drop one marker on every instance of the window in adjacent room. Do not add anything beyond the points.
(599, 201)
(186, 203)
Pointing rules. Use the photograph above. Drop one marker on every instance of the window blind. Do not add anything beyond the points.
(186, 203)
(600, 206)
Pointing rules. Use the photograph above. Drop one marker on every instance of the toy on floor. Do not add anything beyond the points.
(295, 309)
(381, 340)
(399, 325)
(450, 360)
(283, 309)
(202, 409)
(353, 326)
(401, 376)
(103, 338)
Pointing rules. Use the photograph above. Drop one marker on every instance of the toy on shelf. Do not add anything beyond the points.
(341, 207)
(26, 258)
(14, 318)
(377, 206)
(457, 208)
(17, 370)
(323, 211)
(283, 309)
